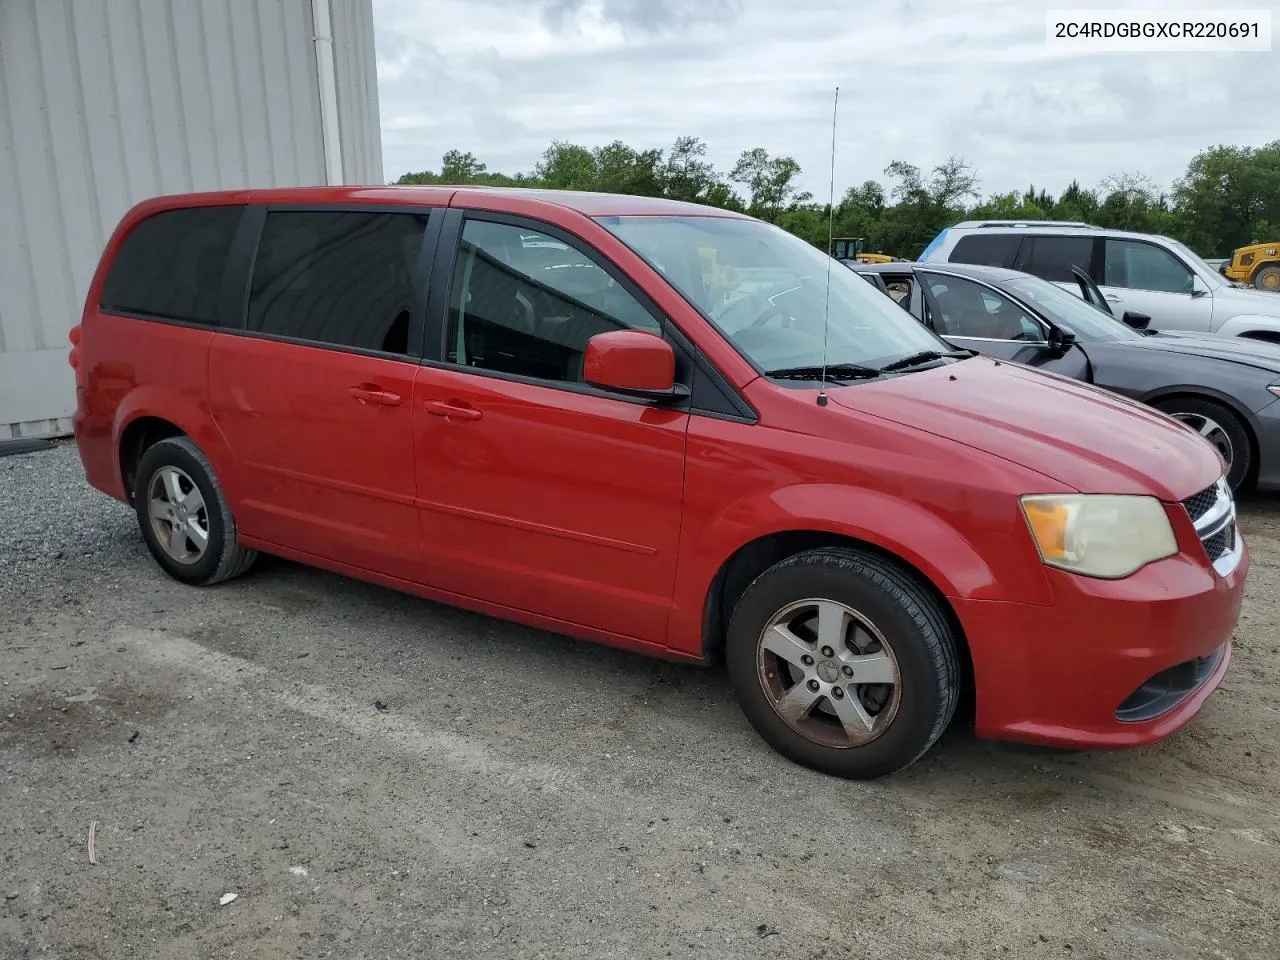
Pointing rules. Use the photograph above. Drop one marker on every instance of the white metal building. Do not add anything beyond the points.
(107, 102)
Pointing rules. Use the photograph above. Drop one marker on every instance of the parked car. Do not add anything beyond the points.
(1225, 390)
(1137, 272)
(670, 428)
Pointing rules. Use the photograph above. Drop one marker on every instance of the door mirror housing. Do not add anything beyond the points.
(635, 364)
(1061, 340)
(1136, 320)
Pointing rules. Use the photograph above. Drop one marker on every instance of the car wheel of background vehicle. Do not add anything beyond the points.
(1221, 427)
(843, 662)
(184, 516)
(1267, 278)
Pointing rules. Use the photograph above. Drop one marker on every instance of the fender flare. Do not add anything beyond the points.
(185, 413)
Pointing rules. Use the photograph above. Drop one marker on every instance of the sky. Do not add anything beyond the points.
(920, 80)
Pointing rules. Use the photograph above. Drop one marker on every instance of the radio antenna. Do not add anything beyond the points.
(831, 216)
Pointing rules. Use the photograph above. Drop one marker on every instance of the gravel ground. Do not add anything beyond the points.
(375, 776)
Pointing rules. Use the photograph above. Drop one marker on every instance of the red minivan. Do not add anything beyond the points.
(666, 427)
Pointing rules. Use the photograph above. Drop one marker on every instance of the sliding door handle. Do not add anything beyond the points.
(452, 411)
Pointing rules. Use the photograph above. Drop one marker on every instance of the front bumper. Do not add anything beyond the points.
(1112, 663)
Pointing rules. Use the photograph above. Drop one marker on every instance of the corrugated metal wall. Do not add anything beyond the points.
(107, 102)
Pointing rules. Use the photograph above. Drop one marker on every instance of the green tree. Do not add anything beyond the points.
(925, 207)
(770, 182)
(567, 166)
(1229, 197)
(622, 169)
(686, 174)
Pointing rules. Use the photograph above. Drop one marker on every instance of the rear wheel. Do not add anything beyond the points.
(184, 516)
(1268, 278)
(843, 663)
(1219, 425)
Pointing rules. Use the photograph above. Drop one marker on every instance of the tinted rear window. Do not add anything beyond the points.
(987, 249)
(1051, 258)
(171, 265)
(338, 277)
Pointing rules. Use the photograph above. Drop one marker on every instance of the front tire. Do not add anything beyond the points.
(1221, 427)
(184, 517)
(843, 663)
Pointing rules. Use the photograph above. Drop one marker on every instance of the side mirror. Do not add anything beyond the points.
(1061, 340)
(635, 364)
(1136, 320)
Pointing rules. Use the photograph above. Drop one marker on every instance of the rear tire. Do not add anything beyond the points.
(851, 614)
(1221, 426)
(1267, 278)
(184, 517)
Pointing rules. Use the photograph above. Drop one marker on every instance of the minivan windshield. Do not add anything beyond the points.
(1084, 320)
(766, 291)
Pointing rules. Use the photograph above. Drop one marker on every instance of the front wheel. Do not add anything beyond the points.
(1221, 427)
(843, 663)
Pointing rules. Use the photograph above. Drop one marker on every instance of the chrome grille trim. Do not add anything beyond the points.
(1215, 525)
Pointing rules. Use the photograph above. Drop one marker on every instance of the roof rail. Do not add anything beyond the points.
(1027, 223)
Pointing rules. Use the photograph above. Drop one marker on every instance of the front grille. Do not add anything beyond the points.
(1221, 543)
(1213, 514)
(1200, 504)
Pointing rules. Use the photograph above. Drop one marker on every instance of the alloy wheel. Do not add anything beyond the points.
(829, 673)
(179, 519)
(1211, 430)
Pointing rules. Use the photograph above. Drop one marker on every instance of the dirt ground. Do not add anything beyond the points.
(375, 776)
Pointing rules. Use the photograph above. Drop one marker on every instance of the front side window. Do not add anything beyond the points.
(1083, 319)
(775, 297)
(170, 266)
(526, 303)
(338, 277)
(1136, 265)
(962, 308)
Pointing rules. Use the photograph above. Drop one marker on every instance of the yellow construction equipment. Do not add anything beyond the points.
(854, 248)
(1257, 264)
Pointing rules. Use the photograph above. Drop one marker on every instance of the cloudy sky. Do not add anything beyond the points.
(919, 80)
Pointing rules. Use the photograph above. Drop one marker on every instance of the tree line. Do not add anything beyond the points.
(1229, 196)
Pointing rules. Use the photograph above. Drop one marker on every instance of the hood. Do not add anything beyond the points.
(1253, 353)
(1090, 440)
(1263, 303)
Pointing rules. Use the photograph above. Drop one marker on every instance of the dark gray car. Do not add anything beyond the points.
(1226, 389)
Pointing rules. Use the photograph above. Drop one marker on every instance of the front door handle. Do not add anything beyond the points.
(454, 411)
(372, 393)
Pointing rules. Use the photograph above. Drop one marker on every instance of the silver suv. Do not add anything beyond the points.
(1141, 274)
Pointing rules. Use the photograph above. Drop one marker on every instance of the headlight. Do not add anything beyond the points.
(1099, 535)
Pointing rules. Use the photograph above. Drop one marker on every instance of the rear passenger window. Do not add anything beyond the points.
(1051, 258)
(171, 265)
(344, 278)
(987, 249)
(526, 303)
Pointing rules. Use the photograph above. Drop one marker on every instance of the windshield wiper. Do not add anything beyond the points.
(834, 371)
(924, 356)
